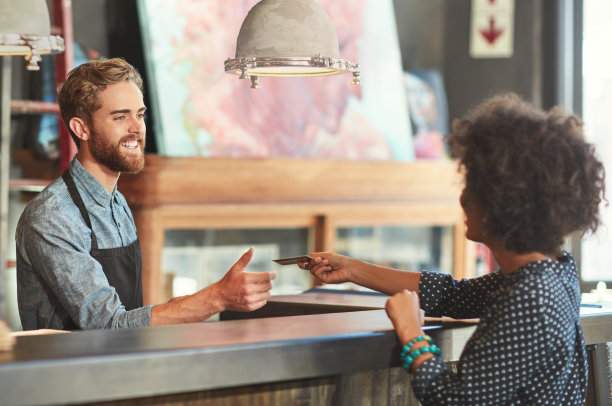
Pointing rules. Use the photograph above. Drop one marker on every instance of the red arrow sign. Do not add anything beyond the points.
(492, 33)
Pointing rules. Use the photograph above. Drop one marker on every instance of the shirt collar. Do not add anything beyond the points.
(90, 185)
(565, 261)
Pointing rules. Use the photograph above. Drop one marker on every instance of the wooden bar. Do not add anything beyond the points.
(197, 193)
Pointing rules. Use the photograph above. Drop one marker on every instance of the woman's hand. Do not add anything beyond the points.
(403, 309)
(328, 267)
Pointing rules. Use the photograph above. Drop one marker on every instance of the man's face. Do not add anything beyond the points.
(118, 130)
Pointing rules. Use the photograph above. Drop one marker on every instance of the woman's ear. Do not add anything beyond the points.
(79, 128)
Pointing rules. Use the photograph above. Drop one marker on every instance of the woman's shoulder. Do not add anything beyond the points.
(549, 285)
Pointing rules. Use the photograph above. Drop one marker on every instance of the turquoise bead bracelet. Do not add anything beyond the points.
(409, 345)
(407, 356)
(430, 349)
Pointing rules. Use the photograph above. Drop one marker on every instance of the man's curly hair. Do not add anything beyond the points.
(533, 174)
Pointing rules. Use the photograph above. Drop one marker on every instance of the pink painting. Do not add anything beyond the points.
(203, 111)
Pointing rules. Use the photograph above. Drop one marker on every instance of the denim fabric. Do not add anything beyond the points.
(57, 279)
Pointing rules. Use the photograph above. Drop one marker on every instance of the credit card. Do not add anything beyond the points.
(292, 260)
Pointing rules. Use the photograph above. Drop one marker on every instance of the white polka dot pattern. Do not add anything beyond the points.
(528, 348)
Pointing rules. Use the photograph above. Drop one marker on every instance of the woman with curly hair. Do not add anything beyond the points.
(530, 180)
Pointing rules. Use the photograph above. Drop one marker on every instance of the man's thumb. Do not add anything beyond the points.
(244, 260)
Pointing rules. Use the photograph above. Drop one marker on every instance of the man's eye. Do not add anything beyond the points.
(119, 117)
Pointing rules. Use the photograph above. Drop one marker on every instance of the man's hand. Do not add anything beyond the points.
(237, 290)
(244, 291)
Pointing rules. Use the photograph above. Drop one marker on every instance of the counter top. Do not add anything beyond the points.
(82, 366)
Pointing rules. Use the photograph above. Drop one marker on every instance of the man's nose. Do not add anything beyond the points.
(137, 126)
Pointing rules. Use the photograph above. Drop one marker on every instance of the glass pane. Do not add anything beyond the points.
(401, 247)
(597, 102)
(194, 259)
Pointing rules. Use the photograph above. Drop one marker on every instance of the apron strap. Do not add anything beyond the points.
(78, 201)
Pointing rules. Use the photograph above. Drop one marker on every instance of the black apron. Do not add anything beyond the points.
(122, 266)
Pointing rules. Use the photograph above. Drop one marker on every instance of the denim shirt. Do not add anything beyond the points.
(57, 278)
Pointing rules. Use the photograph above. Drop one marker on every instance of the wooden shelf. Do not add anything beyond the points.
(198, 193)
(34, 107)
(194, 180)
(28, 185)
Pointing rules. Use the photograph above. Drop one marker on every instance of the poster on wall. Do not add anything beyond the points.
(428, 109)
(202, 111)
(492, 29)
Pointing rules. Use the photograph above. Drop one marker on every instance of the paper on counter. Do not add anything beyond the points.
(445, 319)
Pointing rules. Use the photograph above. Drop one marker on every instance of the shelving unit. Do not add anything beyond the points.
(62, 25)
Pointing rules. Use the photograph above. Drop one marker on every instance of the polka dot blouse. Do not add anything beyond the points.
(528, 348)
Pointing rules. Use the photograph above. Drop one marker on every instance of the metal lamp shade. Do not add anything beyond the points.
(25, 30)
(288, 38)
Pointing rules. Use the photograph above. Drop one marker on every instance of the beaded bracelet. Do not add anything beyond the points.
(409, 345)
(431, 349)
(407, 357)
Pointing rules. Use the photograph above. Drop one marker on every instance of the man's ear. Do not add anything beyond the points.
(79, 128)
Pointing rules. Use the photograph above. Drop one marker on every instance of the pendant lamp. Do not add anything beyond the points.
(25, 30)
(288, 38)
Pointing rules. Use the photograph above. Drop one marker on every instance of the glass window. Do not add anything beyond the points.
(194, 259)
(597, 113)
(407, 248)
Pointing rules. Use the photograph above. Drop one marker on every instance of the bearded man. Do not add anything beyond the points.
(79, 264)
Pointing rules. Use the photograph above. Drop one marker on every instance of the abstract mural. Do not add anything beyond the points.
(202, 111)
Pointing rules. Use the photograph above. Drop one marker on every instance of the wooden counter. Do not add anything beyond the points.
(344, 358)
(281, 358)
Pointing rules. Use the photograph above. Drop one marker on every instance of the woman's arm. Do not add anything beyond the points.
(335, 268)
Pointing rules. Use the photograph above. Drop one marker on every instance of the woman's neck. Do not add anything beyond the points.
(510, 261)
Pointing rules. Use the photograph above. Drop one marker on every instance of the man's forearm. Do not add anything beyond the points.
(188, 309)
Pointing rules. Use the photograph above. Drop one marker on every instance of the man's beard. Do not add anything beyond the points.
(110, 155)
